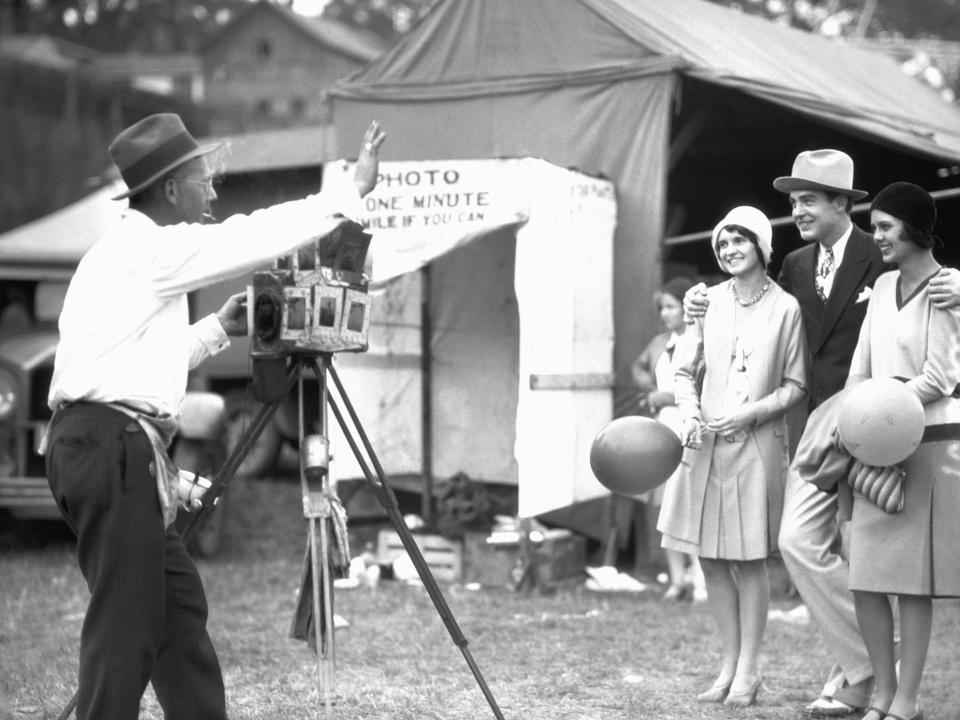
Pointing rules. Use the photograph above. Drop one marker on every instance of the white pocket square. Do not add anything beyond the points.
(864, 294)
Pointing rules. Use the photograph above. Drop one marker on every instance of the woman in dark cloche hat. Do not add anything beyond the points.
(911, 553)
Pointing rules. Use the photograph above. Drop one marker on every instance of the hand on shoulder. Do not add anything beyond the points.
(944, 288)
(695, 301)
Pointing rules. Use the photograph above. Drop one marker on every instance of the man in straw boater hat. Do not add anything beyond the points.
(119, 379)
(832, 278)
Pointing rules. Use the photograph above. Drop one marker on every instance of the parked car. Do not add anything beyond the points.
(28, 343)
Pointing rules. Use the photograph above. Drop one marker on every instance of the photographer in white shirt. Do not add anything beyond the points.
(119, 379)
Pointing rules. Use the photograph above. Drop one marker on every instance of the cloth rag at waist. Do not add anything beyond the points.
(160, 431)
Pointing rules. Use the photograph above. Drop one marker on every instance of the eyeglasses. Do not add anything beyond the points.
(206, 184)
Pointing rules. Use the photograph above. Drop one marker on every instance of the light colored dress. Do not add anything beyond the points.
(726, 499)
(664, 372)
(915, 551)
(655, 370)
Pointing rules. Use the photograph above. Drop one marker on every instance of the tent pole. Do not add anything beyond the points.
(426, 391)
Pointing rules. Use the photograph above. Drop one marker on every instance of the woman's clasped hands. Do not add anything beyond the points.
(731, 425)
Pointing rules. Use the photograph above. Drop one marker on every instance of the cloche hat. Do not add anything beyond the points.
(753, 220)
(909, 202)
(152, 147)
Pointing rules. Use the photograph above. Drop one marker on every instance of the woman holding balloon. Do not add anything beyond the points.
(910, 553)
(726, 501)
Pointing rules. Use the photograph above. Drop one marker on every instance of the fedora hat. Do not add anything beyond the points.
(829, 170)
(152, 147)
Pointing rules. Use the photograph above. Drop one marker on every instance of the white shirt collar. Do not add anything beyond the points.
(838, 247)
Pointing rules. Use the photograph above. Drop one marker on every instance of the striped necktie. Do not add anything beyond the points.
(824, 270)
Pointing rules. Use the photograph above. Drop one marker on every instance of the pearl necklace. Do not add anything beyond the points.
(751, 301)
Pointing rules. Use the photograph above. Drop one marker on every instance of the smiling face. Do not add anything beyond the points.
(737, 253)
(818, 217)
(890, 239)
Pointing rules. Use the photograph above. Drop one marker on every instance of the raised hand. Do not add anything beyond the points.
(368, 161)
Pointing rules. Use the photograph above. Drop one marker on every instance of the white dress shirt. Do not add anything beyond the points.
(838, 247)
(124, 330)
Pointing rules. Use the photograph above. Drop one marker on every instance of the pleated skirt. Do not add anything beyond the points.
(734, 513)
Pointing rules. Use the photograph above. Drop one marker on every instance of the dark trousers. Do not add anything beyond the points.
(146, 621)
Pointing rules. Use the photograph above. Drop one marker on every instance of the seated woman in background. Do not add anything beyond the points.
(653, 373)
(726, 501)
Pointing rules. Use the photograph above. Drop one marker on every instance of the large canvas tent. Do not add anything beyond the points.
(687, 106)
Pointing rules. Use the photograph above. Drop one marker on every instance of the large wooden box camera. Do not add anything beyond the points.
(314, 300)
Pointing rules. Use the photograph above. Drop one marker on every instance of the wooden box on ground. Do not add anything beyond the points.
(560, 556)
(444, 557)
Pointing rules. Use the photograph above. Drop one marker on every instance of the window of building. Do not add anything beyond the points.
(264, 49)
(298, 106)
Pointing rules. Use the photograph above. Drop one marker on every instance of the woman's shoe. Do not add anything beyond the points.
(893, 716)
(744, 698)
(873, 713)
(717, 692)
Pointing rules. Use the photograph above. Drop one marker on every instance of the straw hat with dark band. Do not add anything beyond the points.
(827, 170)
(152, 147)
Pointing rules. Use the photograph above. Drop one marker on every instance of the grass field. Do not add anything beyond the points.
(573, 655)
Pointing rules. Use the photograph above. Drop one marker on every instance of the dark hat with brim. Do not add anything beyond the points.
(827, 170)
(152, 147)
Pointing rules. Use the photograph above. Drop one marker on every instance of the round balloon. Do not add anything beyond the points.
(634, 454)
(881, 422)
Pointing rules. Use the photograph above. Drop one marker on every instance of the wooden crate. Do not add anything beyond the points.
(558, 558)
(444, 557)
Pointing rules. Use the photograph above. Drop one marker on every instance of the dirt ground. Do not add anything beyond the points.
(572, 654)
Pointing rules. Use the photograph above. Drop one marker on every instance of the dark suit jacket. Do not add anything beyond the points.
(832, 329)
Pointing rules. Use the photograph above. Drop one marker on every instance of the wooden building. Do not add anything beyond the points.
(270, 67)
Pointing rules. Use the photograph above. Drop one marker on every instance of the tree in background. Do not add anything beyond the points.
(387, 18)
(148, 26)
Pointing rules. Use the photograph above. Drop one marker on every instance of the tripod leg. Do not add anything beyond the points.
(322, 589)
(325, 538)
(388, 500)
(320, 562)
(221, 480)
